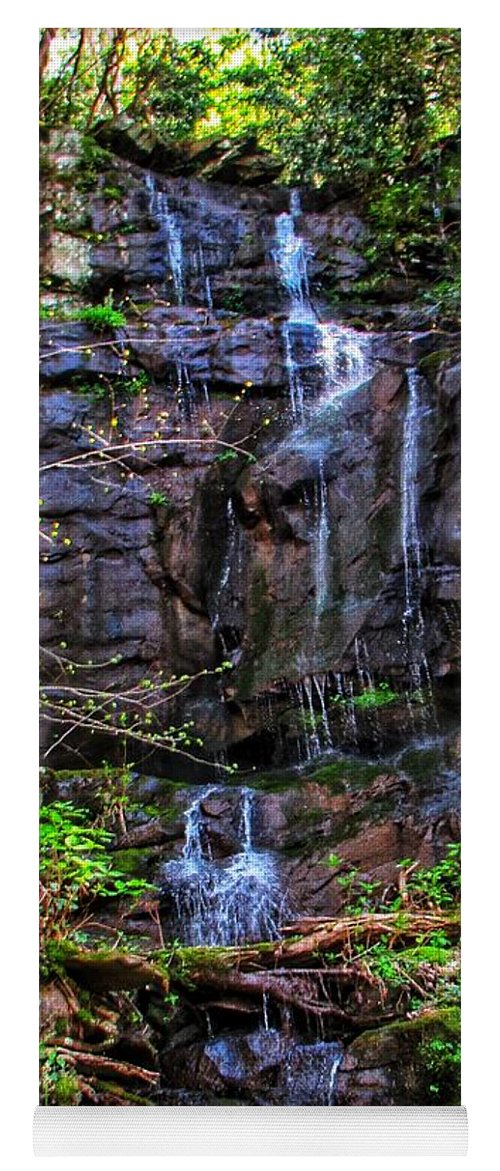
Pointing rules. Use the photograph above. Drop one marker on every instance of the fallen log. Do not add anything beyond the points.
(306, 943)
(308, 940)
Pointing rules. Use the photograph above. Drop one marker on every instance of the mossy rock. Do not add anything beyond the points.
(345, 775)
(419, 1060)
(135, 863)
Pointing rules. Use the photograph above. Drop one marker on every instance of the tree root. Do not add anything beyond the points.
(106, 1067)
(115, 971)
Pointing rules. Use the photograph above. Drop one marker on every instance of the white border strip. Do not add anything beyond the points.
(228, 1131)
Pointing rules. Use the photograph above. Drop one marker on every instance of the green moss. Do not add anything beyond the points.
(55, 954)
(90, 774)
(66, 1090)
(413, 957)
(120, 1092)
(346, 774)
(179, 962)
(424, 1054)
(113, 191)
(261, 619)
(134, 862)
(91, 164)
(275, 782)
(430, 363)
(383, 1046)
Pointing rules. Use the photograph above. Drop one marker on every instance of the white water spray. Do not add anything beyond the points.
(170, 226)
(220, 902)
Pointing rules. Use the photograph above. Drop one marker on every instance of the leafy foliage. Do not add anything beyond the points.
(441, 1058)
(59, 1086)
(439, 885)
(76, 867)
(92, 74)
(434, 887)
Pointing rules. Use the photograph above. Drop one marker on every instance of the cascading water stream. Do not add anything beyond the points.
(321, 560)
(410, 535)
(310, 1073)
(413, 622)
(343, 358)
(220, 902)
(204, 278)
(170, 226)
(339, 352)
(230, 558)
(290, 256)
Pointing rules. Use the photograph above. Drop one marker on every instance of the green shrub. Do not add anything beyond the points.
(435, 886)
(76, 868)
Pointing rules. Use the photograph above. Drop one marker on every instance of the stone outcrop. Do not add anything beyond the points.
(396, 1064)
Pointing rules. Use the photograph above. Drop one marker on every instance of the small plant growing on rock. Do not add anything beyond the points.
(233, 300)
(158, 499)
(378, 696)
(102, 317)
(225, 457)
(59, 1085)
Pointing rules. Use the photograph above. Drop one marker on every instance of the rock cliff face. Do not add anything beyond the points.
(282, 491)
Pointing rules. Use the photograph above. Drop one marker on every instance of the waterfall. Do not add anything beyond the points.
(363, 665)
(320, 684)
(290, 256)
(413, 622)
(345, 692)
(171, 230)
(340, 353)
(219, 902)
(230, 549)
(310, 1073)
(410, 536)
(315, 736)
(193, 846)
(312, 730)
(343, 358)
(295, 383)
(204, 278)
(321, 562)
